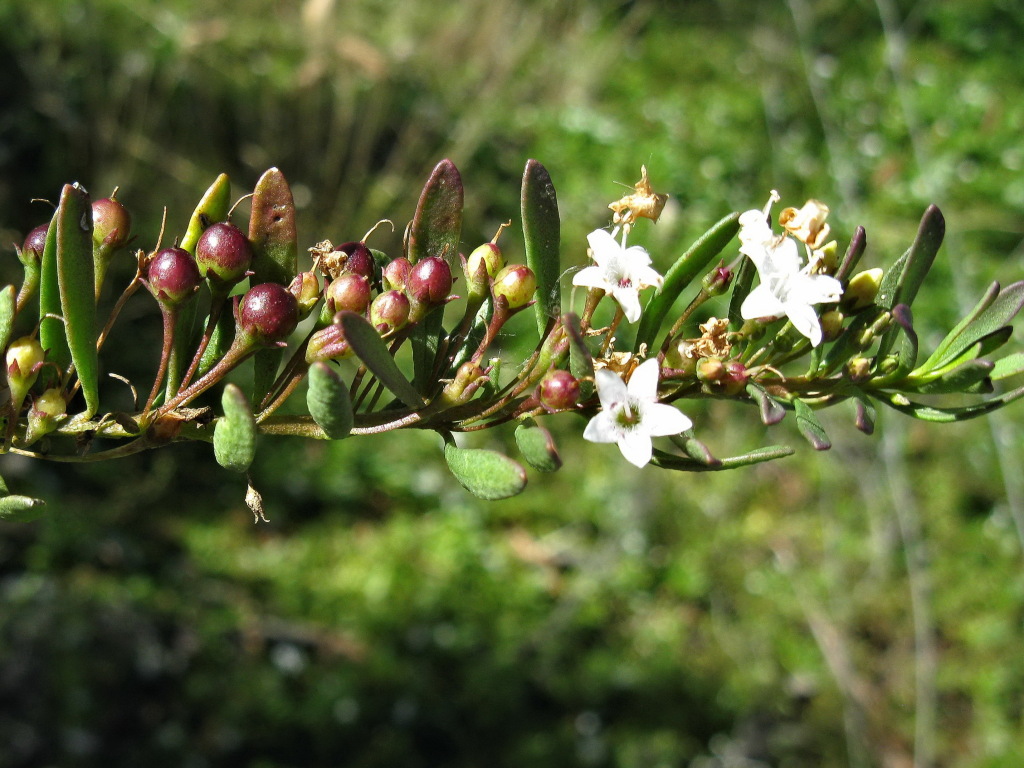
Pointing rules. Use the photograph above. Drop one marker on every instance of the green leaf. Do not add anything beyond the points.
(864, 419)
(965, 377)
(8, 310)
(537, 446)
(1011, 365)
(272, 230)
(75, 276)
(486, 474)
(328, 401)
(212, 208)
(992, 314)
(542, 238)
(772, 411)
(234, 434)
(907, 355)
(901, 283)
(685, 464)
(424, 338)
(681, 274)
(900, 403)
(742, 282)
(437, 224)
(372, 350)
(220, 342)
(696, 450)
(51, 328)
(809, 427)
(20, 509)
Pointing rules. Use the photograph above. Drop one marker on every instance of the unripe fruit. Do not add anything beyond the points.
(389, 312)
(358, 261)
(516, 283)
(268, 313)
(483, 263)
(351, 292)
(429, 282)
(306, 289)
(396, 273)
(172, 276)
(223, 253)
(111, 223)
(558, 390)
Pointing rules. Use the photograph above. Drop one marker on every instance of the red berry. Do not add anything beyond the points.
(223, 253)
(172, 276)
(268, 312)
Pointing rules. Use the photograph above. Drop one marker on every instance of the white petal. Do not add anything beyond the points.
(660, 419)
(629, 300)
(602, 429)
(636, 447)
(591, 277)
(805, 320)
(643, 382)
(817, 289)
(761, 302)
(784, 257)
(647, 276)
(611, 389)
(636, 256)
(603, 245)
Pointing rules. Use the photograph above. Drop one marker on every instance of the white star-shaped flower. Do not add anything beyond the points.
(631, 414)
(620, 272)
(786, 288)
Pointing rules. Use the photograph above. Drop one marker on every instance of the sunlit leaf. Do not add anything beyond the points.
(686, 464)
(537, 446)
(8, 306)
(542, 239)
(213, 207)
(328, 401)
(486, 474)
(372, 350)
(681, 275)
(437, 224)
(809, 426)
(772, 411)
(854, 251)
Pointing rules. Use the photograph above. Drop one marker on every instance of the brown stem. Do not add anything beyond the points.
(170, 316)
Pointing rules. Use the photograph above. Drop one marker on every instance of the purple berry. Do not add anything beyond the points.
(268, 312)
(223, 253)
(111, 223)
(35, 242)
(558, 390)
(429, 281)
(358, 261)
(172, 276)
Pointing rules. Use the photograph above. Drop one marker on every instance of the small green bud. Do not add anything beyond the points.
(328, 344)
(711, 370)
(831, 325)
(516, 283)
(483, 264)
(24, 359)
(862, 289)
(395, 274)
(306, 290)
(46, 413)
(717, 281)
(467, 381)
(859, 369)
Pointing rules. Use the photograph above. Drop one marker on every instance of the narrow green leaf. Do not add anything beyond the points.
(372, 350)
(809, 427)
(994, 315)
(272, 230)
(8, 310)
(686, 464)
(1011, 365)
(542, 239)
(213, 207)
(75, 277)
(537, 446)
(486, 474)
(20, 509)
(437, 224)
(220, 341)
(680, 275)
(962, 378)
(695, 449)
(864, 419)
(424, 339)
(907, 355)
(772, 411)
(234, 434)
(902, 287)
(936, 414)
(742, 282)
(328, 401)
(51, 328)
(581, 362)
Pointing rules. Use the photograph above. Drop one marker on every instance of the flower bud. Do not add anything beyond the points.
(735, 379)
(483, 264)
(46, 413)
(430, 280)
(268, 313)
(711, 370)
(24, 359)
(396, 274)
(172, 276)
(389, 312)
(862, 289)
(558, 390)
(831, 325)
(306, 290)
(328, 344)
(858, 369)
(351, 292)
(467, 381)
(111, 223)
(516, 283)
(35, 242)
(223, 254)
(717, 281)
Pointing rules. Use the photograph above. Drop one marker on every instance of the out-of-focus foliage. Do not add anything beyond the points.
(856, 607)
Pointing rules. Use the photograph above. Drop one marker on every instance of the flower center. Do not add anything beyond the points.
(628, 415)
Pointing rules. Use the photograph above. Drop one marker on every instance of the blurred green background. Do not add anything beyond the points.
(862, 607)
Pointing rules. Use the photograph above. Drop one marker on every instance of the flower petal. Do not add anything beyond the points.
(591, 277)
(636, 447)
(643, 382)
(603, 245)
(629, 301)
(660, 420)
(761, 302)
(611, 389)
(805, 320)
(602, 429)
